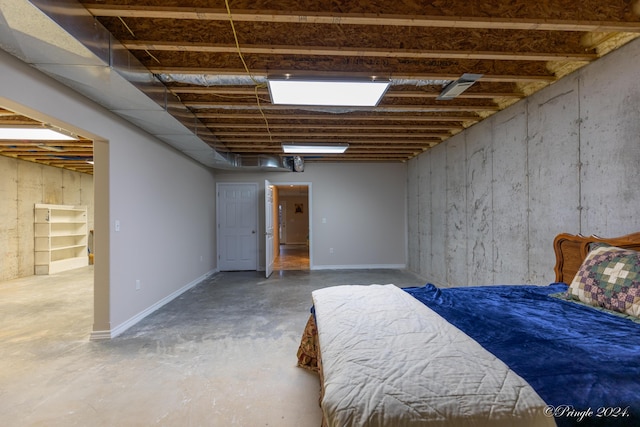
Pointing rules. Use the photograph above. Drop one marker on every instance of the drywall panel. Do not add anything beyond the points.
(164, 203)
(437, 187)
(479, 151)
(610, 143)
(510, 197)
(357, 212)
(163, 200)
(455, 240)
(554, 173)
(297, 219)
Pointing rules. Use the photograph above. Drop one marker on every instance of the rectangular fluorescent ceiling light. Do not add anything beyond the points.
(314, 148)
(340, 93)
(33, 133)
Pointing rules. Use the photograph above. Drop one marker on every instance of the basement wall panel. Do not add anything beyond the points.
(23, 184)
(509, 198)
(454, 240)
(52, 186)
(479, 149)
(9, 247)
(71, 188)
(425, 201)
(438, 185)
(413, 238)
(610, 143)
(564, 160)
(30, 184)
(554, 174)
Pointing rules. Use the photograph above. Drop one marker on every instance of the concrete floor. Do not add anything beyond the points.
(222, 354)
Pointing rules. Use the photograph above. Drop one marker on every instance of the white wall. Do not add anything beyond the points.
(296, 224)
(165, 202)
(363, 207)
(485, 205)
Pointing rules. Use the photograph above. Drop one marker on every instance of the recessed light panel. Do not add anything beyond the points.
(327, 92)
(314, 148)
(31, 133)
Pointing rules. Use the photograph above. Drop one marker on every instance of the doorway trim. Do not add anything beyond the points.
(101, 310)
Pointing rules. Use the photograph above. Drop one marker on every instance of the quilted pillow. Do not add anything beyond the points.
(609, 277)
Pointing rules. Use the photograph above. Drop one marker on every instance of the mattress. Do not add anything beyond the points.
(389, 360)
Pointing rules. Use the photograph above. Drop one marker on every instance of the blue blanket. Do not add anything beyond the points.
(583, 362)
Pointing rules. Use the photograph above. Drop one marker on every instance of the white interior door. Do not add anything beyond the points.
(270, 255)
(237, 212)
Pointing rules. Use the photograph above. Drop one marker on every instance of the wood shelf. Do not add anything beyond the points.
(61, 238)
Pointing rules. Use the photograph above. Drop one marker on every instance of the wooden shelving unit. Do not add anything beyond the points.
(61, 238)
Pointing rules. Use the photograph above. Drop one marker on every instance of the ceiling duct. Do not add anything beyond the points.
(62, 39)
(259, 162)
(212, 80)
(244, 80)
(455, 88)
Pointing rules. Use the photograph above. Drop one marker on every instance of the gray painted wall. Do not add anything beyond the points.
(363, 205)
(296, 224)
(484, 206)
(164, 200)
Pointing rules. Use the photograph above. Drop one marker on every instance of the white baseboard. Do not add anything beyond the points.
(114, 332)
(360, 267)
(100, 335)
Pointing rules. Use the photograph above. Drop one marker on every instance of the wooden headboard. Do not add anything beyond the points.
(572, 249)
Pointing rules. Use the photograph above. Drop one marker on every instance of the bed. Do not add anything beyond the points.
(563, 354)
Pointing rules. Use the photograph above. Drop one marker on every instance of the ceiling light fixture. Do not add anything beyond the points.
(33, 133)
(327, 92)
(455, 88)
(292, 148)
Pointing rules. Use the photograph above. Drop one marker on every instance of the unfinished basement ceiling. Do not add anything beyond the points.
(73, 155)
(519, 47)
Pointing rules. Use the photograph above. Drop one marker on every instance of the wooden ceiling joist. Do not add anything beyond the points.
(391, 108)
(324, 127)
(302, 17)
(356, 52)
(388, 141)
(340, 117)
(249, 93)
(518, 47)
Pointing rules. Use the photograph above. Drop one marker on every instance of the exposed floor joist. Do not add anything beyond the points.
(215, 62)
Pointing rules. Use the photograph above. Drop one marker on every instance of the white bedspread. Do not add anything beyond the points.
(389, 360)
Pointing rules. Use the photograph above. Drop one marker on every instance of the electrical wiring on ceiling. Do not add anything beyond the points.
(257, 85)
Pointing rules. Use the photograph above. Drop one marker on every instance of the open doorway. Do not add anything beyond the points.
(53, 204)
(293, 227)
